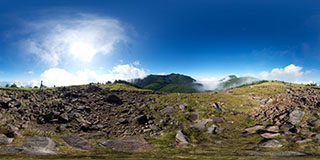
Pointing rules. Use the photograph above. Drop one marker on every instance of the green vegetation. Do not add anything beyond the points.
(172, 83)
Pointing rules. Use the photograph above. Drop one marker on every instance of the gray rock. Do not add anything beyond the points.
(270, 135)
(77, 142)
(273, 129)
(315, 123)
(269, 143)
(167, 110)
(33, 146)
(183, 106)
(296, 116)
(254, 129)
(277, 154)
(304, 141)
(214, 129)
(182, 138)
(200, 124)
(218, 119)
(128, 144)
(6, 140)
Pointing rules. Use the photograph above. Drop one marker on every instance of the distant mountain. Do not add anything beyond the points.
(233, 81)
(169, 83)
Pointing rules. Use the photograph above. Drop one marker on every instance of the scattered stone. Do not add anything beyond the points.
(181, 138)
(277, 154)
(77, 142)
(128, 144)
(254, 129)
(296, 116)
(33, 146)
(270, 143)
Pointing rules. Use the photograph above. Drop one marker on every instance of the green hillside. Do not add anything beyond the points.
(168, 83)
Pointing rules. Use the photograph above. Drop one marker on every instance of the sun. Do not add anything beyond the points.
(83, 51)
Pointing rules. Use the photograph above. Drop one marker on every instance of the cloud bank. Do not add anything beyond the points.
(290, 73)
(61, 77)
(79, 38)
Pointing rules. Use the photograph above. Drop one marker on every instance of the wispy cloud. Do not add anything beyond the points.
(80, 38)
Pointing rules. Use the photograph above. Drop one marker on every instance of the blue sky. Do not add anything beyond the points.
(77, 41)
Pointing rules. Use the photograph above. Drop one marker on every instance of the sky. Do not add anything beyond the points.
(65, 42)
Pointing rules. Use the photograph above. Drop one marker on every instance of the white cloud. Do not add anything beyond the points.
(61, 77)
(290, 73)
(80, 38)
(210, 83)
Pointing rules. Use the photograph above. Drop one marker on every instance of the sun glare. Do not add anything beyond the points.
(82, 51)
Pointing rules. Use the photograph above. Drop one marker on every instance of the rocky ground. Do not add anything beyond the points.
(272, 119)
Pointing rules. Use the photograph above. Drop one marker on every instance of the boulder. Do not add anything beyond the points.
(5, 140)
(296, 116)
(277, 154)
(181, 138)
(77, 142)
(167, 110)
(254, 129)
(33, 146)
(142, 119)
(270, 143)
(274, 129)
(315, 123)
(217, 119)
(128, 144)
(200, 124)
(270, 135)
(214, 129)
(304, 141)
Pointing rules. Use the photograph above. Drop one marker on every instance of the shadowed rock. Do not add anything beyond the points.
(278, 154)
(128, 144)
(77, 142)
(269, 143)
(182, 138)
(114, 99)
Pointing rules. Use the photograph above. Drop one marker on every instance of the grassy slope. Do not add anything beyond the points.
(233, 141)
